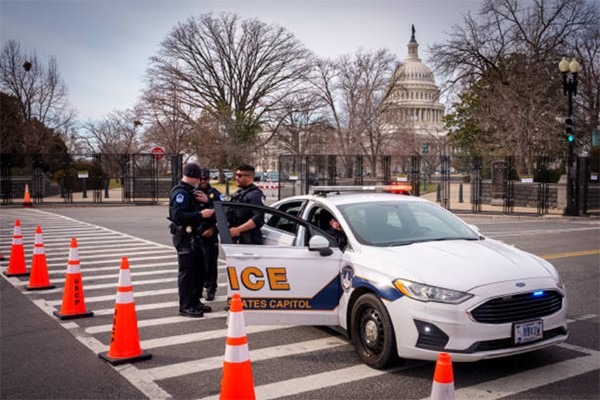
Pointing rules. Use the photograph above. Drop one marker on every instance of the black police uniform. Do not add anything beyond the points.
(188, 223)
(340, 237)
(210, 245)
(250, 195)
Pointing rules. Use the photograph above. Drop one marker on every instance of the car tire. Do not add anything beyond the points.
(372, 332)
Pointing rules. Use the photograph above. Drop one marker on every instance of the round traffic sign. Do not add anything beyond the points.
(158, 153)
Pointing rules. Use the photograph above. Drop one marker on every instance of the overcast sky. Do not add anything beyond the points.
(102, 47)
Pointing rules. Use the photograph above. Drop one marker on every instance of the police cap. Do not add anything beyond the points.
(204, 173)
(192, 170)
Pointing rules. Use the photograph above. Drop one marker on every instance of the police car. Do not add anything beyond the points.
(413, 281)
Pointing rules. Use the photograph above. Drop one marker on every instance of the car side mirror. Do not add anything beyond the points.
(320, 244)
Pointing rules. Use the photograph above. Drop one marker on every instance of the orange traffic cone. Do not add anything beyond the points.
(237, 380)
(16, 264)
(125, 339)
(38, 278)
(27, 198)
(443, 379)
(73, 303)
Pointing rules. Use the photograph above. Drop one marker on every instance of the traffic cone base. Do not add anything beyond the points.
(117, 361)
(73, 316)
(6, 273)
(40, 287)
(38, 274)
(125, 339)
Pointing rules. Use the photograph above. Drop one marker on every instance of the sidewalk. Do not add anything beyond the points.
(42, 360)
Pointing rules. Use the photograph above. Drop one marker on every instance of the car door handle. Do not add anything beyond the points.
(246, 255)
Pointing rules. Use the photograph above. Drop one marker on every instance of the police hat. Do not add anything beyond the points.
(192, 170)
(204, 173)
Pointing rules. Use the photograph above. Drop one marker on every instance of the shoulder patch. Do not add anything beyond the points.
(179, 198)
(212, 195)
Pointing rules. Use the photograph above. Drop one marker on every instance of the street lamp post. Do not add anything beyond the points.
(569, 72)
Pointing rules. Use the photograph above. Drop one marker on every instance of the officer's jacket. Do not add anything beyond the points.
(250, 195)
(183, 207)
(213, 195)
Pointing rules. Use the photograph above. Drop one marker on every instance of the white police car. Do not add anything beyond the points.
(414, 280)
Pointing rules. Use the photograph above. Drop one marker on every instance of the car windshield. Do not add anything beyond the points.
(403, 223)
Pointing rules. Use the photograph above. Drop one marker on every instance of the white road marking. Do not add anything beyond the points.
(206, 364)
(157, 322)
(113, 297)
(530, 379)
(201, 336)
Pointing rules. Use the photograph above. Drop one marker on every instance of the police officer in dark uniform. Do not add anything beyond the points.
(188, 218)
(245, 224)
(210, 237)
(335, 230)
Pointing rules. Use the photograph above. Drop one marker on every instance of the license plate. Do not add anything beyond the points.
(529, 331)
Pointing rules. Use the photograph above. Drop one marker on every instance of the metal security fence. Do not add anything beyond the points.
(88, 178)
(476, 184)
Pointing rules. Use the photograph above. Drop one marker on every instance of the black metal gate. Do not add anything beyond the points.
(89, 178)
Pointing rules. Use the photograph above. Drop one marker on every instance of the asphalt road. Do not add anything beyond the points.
(41, 357)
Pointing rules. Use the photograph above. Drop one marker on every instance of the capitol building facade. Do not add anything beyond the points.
(414, 112)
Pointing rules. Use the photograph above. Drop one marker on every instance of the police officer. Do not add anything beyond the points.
(245, 224)
(210, 238)
(189, 217)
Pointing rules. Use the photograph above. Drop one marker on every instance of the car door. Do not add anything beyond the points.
(289, 284)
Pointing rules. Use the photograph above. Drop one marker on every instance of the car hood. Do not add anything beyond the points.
(457, 264)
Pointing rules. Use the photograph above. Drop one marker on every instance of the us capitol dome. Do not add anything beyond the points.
(414, 104)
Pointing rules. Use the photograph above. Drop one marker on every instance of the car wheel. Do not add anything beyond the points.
(372, 332)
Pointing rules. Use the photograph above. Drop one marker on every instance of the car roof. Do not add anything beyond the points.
(335, 199)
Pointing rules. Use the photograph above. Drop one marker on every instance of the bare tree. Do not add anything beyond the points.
(117, 133)
(506, 58)
(42, 94)
(300, 123)
(238, 71)
(355, 89)
(170, 121)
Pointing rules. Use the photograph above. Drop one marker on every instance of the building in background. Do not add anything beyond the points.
(414, 112)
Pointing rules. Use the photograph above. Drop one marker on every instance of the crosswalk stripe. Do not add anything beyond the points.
(530, 379)
(109, 297)
(202, 336)
(85, 269)
(112, 276)
(156, 322)
(206, 364)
